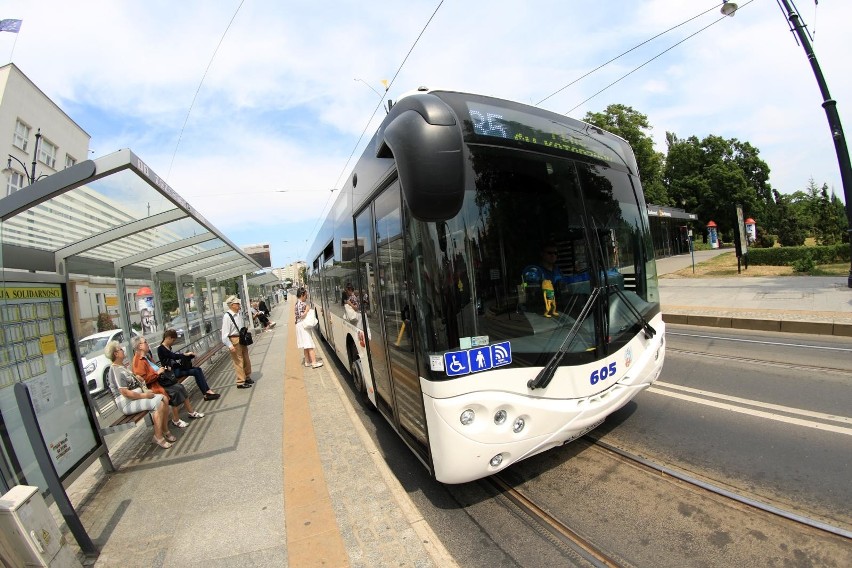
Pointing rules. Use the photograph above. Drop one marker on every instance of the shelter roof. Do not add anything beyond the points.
(113, 213)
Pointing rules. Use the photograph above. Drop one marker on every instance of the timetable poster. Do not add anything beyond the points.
(35, 349)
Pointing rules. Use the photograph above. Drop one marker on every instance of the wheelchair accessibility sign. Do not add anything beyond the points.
(458, 363)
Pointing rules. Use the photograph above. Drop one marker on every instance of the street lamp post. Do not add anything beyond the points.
(31, 177)
(830, 106)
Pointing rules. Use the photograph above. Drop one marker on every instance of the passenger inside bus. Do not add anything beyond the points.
(542, 281)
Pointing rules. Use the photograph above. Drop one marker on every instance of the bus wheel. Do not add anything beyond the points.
(357, 376)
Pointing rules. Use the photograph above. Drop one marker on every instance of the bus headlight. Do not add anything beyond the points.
(518, 425)
(496, 460)
(499, 417)
(467, 417)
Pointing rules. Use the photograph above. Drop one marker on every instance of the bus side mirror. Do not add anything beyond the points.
(441, 228)
(429, 164)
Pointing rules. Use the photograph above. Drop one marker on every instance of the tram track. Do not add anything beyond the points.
(752, 361)
(564, 535)
(595, 554)
(756, 504)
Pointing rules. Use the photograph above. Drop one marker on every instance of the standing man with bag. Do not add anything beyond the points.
(232, 323)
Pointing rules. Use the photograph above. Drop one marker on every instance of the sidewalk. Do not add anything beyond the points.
(796, 304)
(258, 481)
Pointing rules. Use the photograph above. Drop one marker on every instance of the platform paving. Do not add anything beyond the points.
(259, 481)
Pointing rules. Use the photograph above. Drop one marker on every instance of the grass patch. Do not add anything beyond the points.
(725, 265)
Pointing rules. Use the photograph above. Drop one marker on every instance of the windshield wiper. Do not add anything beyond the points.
(649, 331)
(543, 378)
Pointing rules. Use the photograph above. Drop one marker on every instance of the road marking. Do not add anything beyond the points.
(844, 349)
(753, 412)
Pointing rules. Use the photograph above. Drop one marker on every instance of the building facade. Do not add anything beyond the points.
(37, 136)
(292, 272)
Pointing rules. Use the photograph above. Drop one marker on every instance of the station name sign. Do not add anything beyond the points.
(29, 293)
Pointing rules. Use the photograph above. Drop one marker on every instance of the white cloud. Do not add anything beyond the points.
(279, 107)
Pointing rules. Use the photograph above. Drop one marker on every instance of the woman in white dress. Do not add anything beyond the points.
(304, 340)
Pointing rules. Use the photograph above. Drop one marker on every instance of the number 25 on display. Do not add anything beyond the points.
(602, 374)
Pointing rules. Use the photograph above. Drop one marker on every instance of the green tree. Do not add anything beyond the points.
(711, 176)
(633, 126)
(826, 215)
(168, 297)
(791, 231)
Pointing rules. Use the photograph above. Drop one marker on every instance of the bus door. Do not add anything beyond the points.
(397, 314)
(327, 299)
(371, 306)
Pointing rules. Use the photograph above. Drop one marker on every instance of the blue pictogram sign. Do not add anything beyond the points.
(501, 354)
(480, 359)
(456, 363)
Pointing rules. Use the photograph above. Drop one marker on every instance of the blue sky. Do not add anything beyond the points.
(280, 108)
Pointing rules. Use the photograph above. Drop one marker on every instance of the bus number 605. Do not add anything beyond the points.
(602, 374)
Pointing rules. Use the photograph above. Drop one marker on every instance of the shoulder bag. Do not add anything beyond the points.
(245, 337)
(245, 334)
(310, 320)
(166, 379)
(351, 314)
(183, 362)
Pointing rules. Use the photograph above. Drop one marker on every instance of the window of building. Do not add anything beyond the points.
(47, 153)
(22, 136)
(16, 182)
(70, 160)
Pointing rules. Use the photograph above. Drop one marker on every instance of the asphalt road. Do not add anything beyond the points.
(765, 414)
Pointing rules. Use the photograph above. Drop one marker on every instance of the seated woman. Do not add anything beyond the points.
(150, 371)
(260, 315)
(131, 397)
(173, 360)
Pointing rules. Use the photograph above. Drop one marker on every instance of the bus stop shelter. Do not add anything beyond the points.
(111, 220)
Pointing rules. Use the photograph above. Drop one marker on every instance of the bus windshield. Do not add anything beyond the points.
(536, 236)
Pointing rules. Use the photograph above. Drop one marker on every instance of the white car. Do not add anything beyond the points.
(95, 363)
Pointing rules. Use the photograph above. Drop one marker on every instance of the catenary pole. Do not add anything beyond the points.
(830, 106)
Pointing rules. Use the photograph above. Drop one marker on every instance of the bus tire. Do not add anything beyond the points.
(359, 383)
(357, 377)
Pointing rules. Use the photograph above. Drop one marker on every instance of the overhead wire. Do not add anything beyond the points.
(198, 90)
(653, 58)
(619, 56)
(375, 110)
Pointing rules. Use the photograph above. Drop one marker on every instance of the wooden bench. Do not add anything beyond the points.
(127, 421)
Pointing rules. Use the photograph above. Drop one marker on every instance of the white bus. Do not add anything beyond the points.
(501, 265)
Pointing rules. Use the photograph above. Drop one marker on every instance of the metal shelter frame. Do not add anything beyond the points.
(107, 233)
(111, 217)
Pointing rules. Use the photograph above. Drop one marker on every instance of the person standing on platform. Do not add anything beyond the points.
(232, 323)
(303, 336)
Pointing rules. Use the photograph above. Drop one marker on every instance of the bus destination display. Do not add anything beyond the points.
(497, 122)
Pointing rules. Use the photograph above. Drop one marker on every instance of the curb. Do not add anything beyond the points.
(757, 324)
